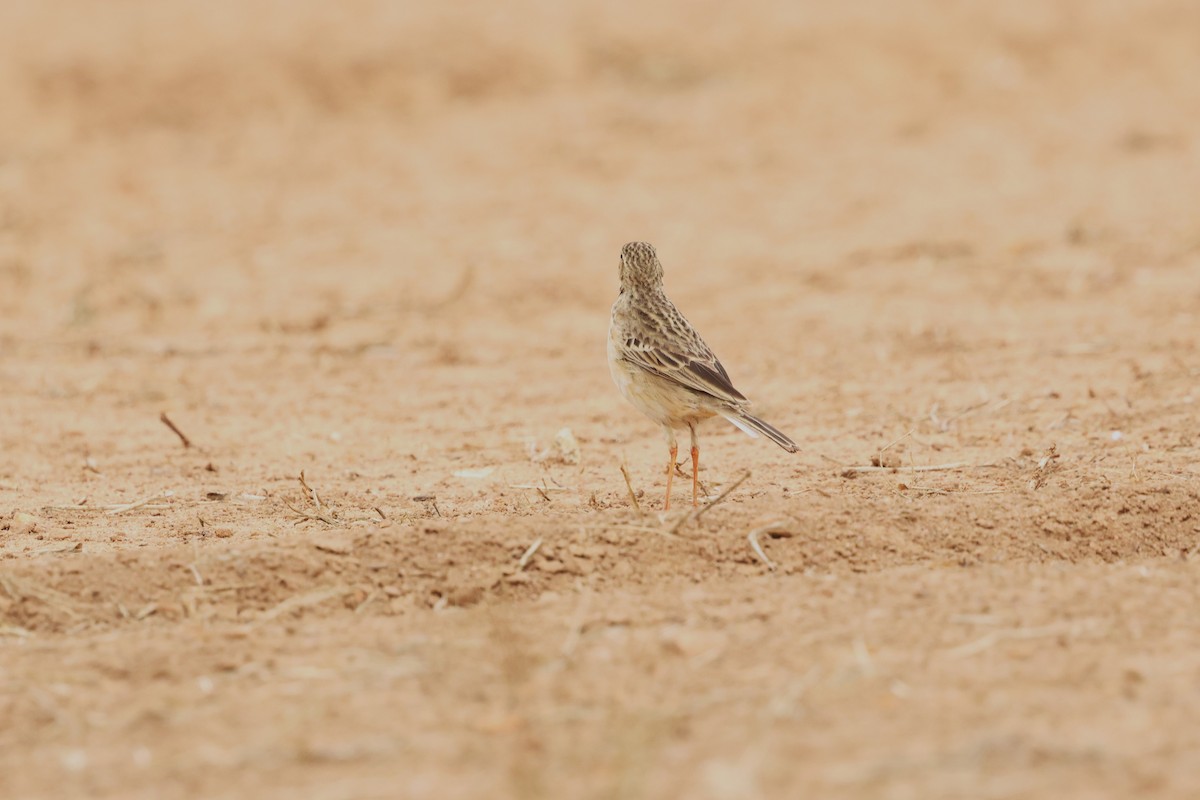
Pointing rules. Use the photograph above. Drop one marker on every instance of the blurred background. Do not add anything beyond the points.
(219, 167)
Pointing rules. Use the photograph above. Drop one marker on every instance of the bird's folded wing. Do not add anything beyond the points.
(701, 372)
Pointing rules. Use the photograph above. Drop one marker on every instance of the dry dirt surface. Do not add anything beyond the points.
(376, 243)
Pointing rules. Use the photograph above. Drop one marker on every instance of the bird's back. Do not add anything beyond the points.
(648, 331)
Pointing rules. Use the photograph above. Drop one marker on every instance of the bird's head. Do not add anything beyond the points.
(640, 267)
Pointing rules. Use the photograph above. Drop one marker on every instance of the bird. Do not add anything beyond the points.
(664, 369)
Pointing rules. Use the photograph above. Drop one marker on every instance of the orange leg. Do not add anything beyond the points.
(695, 472)
(670, 474)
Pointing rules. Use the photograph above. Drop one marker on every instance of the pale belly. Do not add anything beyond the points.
(662, 401)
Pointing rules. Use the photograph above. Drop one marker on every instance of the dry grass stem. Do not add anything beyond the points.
(528, 554)
(63, 547)
(894, 442)
(1073, 628)
(144, 502)
(83, 506)
(306, 516)
(321, 512)
(302, 601)
(905, 487)
(850, 472)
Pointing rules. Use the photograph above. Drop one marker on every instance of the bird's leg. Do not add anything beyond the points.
(695, 472)
(670, 465)
(670, 474)
(695, 463)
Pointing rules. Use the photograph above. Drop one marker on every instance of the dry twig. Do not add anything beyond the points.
(632, 494)
(696, 513)
(175, 428)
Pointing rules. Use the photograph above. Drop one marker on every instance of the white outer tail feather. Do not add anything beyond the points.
(743, 427)
(753, 427)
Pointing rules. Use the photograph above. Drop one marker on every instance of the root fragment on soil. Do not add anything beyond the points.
(752, 538)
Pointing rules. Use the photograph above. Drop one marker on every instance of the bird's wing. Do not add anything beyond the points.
(688, 363)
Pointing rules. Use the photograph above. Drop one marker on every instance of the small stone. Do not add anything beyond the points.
(567, 446)
(23, 523)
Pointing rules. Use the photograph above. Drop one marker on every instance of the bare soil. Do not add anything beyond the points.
(377, 243)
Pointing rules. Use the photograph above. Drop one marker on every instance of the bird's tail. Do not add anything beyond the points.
(753, 426)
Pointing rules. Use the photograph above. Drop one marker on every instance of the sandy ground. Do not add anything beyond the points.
(378, 242)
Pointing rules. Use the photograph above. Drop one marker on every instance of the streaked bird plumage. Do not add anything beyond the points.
(663, 367)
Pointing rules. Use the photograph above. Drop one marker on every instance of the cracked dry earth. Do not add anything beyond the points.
(377, 244)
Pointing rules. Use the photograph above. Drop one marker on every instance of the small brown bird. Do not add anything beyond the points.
(664, 368)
